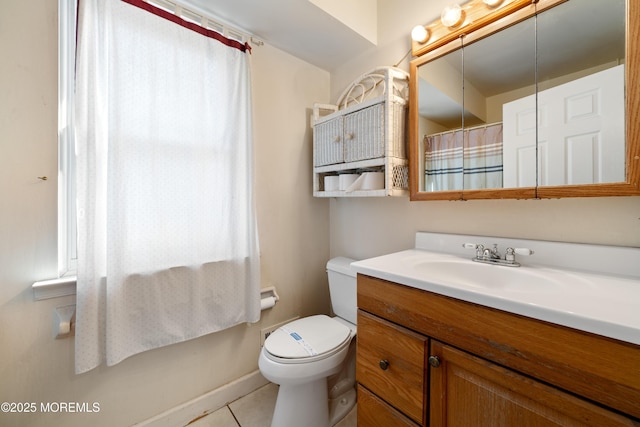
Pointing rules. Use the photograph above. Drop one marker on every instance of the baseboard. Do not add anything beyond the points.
(183, 414)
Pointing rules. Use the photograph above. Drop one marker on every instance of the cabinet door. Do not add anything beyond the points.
(364, 134)
(328, 144)
(390, 363)
(469, 391)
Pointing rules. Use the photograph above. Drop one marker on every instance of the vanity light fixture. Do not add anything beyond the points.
(451, 15)
(463, 17)
(420, 34)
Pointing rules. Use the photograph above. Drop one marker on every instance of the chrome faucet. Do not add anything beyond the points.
(492, 253)
(492, 256)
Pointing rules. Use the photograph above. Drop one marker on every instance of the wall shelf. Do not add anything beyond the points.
(365, 132)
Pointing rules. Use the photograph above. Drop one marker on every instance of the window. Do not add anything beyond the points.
(67, 19)
(67, 249)
(65, 283)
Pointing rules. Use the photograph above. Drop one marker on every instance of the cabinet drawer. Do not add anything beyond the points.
(390, 362)
(373, 412)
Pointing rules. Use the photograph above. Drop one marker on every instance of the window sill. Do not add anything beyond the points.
(54, 288)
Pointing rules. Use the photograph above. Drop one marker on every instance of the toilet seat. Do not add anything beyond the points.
(306, 340)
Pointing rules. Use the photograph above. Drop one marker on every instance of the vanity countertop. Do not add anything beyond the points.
(598, 302)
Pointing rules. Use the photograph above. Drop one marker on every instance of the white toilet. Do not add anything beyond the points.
(313, 358)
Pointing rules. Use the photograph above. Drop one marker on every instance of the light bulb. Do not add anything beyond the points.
(451, 15)
(420, 34)
(492, 3)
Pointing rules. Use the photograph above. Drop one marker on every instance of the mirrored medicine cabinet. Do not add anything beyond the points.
(527, 100)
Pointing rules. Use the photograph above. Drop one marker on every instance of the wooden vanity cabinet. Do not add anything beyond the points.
(429, 360)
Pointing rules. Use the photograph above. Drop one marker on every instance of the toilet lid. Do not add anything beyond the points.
(308, 337)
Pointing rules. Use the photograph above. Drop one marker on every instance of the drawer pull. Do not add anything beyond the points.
(384, 365)
(434, 361)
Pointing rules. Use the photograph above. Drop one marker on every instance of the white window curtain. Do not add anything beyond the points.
(167, 241)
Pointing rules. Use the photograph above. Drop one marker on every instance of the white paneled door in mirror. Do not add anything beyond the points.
(581, 98)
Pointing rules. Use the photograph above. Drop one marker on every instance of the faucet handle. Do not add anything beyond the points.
(510, 255)
(523, 251)
(479, 249)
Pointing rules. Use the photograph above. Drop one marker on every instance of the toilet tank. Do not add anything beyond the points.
(342, 288)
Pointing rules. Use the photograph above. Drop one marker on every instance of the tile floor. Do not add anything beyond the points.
(254, 410)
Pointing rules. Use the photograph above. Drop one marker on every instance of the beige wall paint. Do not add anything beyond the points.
(359, 15)
(293, 228)
(396, 18)
(362, 228)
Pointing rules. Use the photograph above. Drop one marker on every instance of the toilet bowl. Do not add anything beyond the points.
(313, 359)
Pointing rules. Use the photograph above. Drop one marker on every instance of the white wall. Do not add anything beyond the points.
(366, 227)
(293, 227)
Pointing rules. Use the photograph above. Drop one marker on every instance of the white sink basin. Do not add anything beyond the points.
(603, 302)
(467, 273)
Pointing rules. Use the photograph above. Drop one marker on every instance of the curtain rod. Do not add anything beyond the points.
(199, 17)
(485, 125)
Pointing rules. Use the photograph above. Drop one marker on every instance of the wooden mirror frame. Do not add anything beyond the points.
(443, 41)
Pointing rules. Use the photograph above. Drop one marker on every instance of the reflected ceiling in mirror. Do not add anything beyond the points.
(441, 106)
(494, 82)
